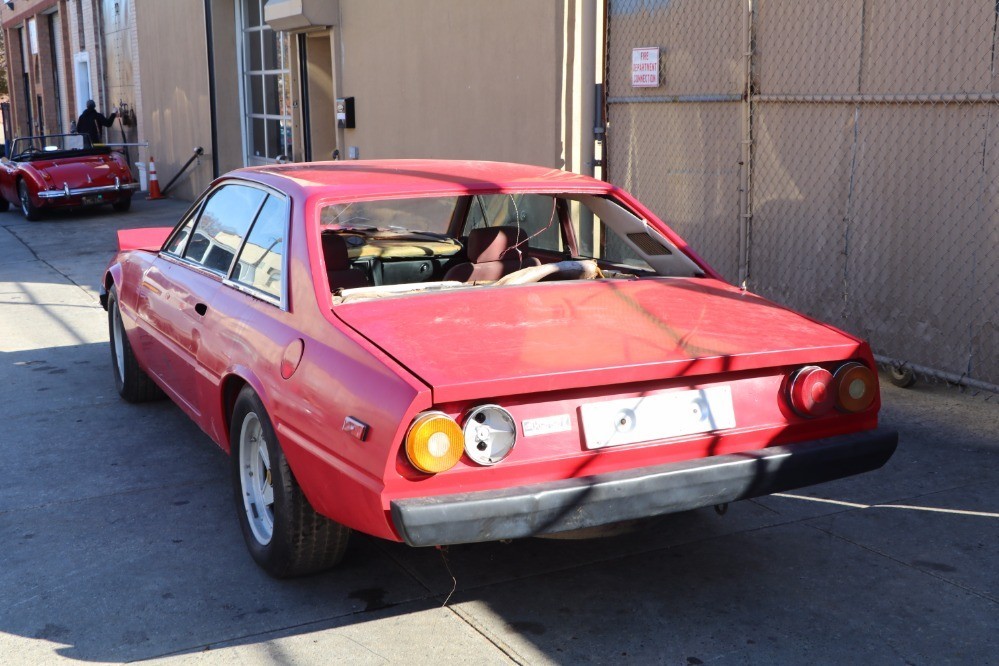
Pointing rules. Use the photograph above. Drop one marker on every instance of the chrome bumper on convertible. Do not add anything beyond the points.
(67, 191)
(572, 504)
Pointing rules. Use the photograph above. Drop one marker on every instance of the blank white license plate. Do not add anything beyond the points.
(633, 420)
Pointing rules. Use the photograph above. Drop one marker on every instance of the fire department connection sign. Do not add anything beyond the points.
(645, 67)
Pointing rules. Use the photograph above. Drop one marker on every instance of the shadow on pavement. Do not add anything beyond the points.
(121, 543)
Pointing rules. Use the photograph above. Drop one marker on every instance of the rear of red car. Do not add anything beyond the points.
(93, 179)
(562, 406)
(100, 177)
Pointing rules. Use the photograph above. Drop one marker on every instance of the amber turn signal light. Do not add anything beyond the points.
(434, 442)
(856, 387)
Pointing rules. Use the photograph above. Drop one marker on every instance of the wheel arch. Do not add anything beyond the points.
(32, 178)
(232, 383)
(112, 277)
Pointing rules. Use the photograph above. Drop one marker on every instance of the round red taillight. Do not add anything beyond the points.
(812, 392)
(856, 387)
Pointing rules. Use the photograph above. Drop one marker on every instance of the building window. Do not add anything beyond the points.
(266, 64)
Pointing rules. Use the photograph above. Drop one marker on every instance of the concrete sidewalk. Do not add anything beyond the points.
(120, 542)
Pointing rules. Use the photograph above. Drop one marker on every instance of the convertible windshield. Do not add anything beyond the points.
(54, 143)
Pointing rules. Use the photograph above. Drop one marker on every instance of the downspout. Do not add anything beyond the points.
(337, 55)
(212, 110)
(746, 159)
(102, 64)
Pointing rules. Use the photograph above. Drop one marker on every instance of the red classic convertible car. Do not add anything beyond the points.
(444, 352)
(63, 171)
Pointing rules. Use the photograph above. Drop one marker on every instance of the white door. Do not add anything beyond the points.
(82, 79)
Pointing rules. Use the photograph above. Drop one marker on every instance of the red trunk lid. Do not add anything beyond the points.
(485, 342)
(79, 171)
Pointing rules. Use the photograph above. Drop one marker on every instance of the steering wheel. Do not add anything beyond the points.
(582, 269)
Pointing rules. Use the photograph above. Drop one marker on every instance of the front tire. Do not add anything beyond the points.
(30, 210)
(4, 204)
(131, 381)
(122, 205)
(283, 533)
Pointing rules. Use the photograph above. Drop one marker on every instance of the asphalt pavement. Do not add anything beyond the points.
(119, 541)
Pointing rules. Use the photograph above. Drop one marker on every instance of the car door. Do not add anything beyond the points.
(180, 286)
(253, 327)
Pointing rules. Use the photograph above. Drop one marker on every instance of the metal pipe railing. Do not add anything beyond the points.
(198, 152)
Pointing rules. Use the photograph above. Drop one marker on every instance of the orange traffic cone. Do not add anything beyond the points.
(154, 181)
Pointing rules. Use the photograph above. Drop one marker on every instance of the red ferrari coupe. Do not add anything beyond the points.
(442, 352)
(63, 171)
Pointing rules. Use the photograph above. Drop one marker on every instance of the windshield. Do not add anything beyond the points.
(49, 144)
(424, 214)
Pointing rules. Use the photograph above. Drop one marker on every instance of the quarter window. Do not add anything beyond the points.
(260, 264)
(226, 216)
(176, 244)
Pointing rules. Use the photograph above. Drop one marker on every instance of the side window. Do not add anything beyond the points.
(220, 230)
(261, 260)
(534, 213)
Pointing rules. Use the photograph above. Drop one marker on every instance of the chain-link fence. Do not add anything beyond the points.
(839, 157)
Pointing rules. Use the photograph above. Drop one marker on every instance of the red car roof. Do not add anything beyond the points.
(374, 178)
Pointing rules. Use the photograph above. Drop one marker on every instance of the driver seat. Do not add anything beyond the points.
(492, 253)
(338, 269)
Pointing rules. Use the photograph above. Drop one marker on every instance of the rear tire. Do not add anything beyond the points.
(131, 381)
(122, 205)
(4, 204)
(283, 533)
(30, 210)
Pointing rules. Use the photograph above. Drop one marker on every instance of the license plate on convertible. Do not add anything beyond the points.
(673, 414)
(93, 199)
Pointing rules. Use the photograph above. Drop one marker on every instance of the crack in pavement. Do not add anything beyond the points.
(46, 263)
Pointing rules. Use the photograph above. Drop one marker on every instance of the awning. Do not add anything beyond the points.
(301, 15)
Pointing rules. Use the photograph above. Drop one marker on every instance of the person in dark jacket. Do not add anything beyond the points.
(92, 122)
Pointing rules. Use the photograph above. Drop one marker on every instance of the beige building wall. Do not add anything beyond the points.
(229, 130)
(507, 81)
(175, 112)
(454, 79)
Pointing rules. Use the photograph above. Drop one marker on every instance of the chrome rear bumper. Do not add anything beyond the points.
(67, 191)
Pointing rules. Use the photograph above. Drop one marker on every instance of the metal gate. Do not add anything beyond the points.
(839, 157)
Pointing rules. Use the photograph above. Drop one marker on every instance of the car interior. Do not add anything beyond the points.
(387, 248)
(54, 146)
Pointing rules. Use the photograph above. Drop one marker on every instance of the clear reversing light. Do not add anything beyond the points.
(434, 442)
(490, 434)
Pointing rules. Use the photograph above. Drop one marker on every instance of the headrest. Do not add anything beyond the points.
(335, 252)
(494, 243)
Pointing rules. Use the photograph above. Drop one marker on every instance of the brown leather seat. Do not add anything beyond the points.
(338, 270)
(492, 253)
